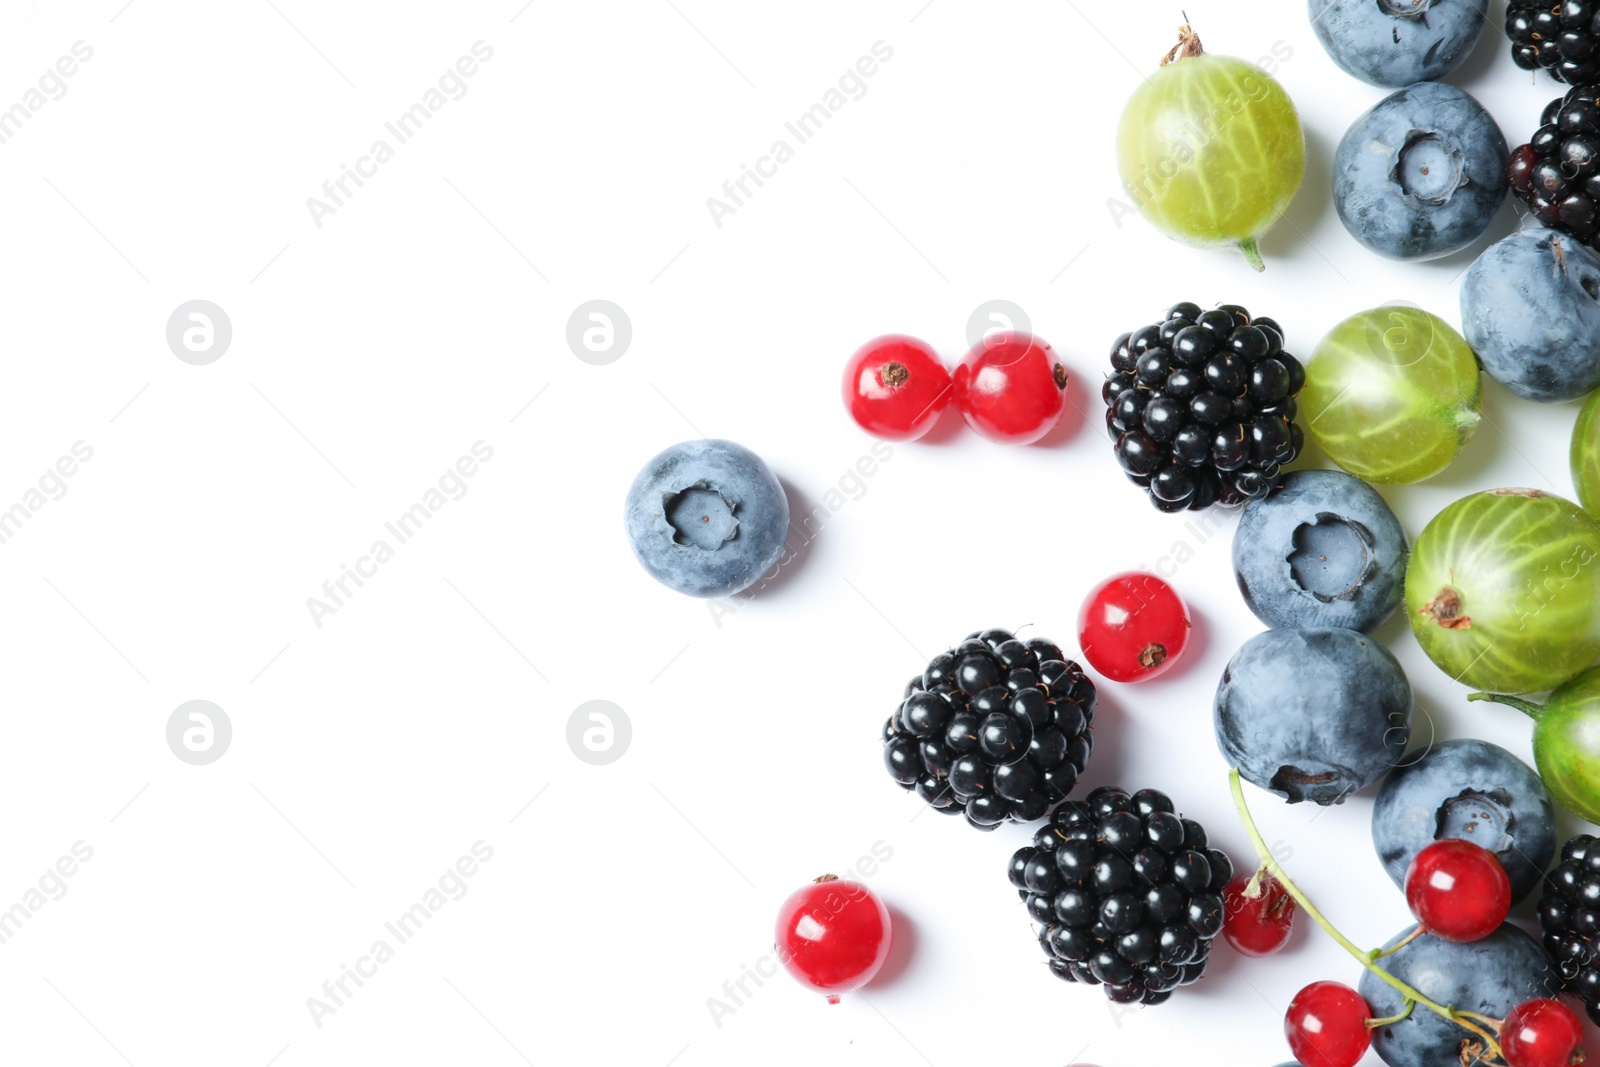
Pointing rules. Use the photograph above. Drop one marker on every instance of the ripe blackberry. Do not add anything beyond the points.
(1562, 36)
(994, 729)
(1569, 915)
(1202, 406)
(1557, 173)
(1125, 892)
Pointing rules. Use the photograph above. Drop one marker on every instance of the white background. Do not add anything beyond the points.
(368, 354)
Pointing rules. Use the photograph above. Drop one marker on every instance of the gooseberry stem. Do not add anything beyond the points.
(1462, 1019)
(1527, 707)
(1252, 254)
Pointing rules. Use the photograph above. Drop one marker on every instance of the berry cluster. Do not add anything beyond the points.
(1557, 173)
(1202, 406)
(995, 729)
(1562, 37)
(1125, 892)
(1569, 915)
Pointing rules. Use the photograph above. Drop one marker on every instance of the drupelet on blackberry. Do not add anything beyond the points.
(1557, 173)
(1560, 36)
(1569, 916)
(1202, 405)
(1125, 893)
(995, 729)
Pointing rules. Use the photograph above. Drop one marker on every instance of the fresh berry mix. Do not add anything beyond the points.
(1202, 406)
(1569, 915)
(995, 728)
(1125, 892)
(1557, 173)
(833, 935)
(1562, 37)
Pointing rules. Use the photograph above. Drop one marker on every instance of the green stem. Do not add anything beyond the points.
(1527, 707)
(1364, 958)
(1252, 254)
(1379, 953)
(1405, 1011)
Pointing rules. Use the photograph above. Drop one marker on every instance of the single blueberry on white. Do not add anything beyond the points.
(1422, 174)
(1396, 42)
(1530, 309)
(707, 518)
(1321, 549)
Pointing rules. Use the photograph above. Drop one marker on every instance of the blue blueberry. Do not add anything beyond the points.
(1312, 714)
(1396, 42)
(1530, 309)
(1473, 790)
(1322, 549)
(707, 518)
(1422, 174)
(1490, 977)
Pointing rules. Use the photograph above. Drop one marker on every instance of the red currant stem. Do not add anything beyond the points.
(1462, 1019)
(1486, 1020)
(1527, 707)
(1252, 254)
(1405, 1011)
(1379, 953)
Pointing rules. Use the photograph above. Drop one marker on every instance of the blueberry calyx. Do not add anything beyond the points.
(1485, 819)
(1330, 540)
(1299, 784)
(1428, 168)
(701, 517)
(1406, 9)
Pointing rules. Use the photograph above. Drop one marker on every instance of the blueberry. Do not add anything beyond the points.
(1396, 42)
(1530, 309)
(1312, 714)
(1322, 549)
(1473, 790)
(1422, 174)
(707, 518)
(1490, 977)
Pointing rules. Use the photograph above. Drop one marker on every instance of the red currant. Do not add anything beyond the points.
(1133, 627)
(896, 387)
(1259, 925)
(1327, 1025)
(1011, 388)
(1541, 1033)
(1457, 890)
(833, 935)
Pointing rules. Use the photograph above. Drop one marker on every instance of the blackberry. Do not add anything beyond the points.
(1569, 916)
(995, 729)
(1202, 406)
(1125, 893)
(1557, 173)
(1562, 36)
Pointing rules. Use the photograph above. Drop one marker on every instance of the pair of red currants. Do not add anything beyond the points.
(1010, 387)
